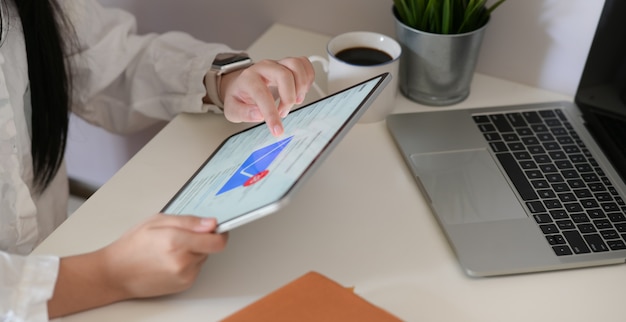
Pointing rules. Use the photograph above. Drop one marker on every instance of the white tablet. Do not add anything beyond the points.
(252, 173)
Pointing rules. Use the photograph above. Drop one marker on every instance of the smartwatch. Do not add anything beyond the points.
(224, 63)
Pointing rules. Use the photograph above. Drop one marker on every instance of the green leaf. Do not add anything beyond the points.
(444, 16)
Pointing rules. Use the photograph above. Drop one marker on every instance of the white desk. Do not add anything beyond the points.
(360, 220)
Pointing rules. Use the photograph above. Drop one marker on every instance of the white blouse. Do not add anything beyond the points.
(122, 82)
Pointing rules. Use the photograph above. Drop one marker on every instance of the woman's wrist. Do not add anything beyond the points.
(227, 79)
(84, 282)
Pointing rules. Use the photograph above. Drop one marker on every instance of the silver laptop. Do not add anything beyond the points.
(535, 187)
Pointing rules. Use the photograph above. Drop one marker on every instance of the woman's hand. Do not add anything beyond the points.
(164, 255)
(161, 256)
(250, 95)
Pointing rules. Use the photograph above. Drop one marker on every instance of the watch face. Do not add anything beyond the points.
(224, 59)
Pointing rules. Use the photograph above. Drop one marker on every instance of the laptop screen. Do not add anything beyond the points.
(601, 94)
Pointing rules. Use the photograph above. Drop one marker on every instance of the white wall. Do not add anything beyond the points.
(542, 43)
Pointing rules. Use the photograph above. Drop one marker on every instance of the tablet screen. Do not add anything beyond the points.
(252, 171)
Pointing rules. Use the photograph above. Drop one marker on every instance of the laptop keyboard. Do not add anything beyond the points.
(573, 202)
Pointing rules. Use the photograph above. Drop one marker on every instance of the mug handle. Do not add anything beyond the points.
(324, 62)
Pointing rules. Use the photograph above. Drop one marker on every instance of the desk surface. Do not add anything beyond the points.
(374, 232)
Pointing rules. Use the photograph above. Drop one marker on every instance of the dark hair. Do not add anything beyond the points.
(44, 28)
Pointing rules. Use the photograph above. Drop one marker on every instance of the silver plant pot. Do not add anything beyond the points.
(437, 69)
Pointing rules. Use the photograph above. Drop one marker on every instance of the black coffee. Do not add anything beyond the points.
(363, 56)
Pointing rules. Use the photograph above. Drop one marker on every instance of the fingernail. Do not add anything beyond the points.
(284, 112)
(300, 99)
(206, 222)
(278, 130)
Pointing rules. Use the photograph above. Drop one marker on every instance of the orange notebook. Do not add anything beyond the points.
(312, 297)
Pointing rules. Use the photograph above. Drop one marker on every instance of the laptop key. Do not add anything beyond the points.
(534, 174)
(576, 241)
(491, 136)
(609, 234)
(546, 193)
(616, 244)
(540, 184)
(558, 155)
(530, 140)
(501, 123)
(560, 114)
(561, 187)
(542, 218)
(545, 137)
(535, 206)
(562, 250)
(595, 243)
(539, 128)
(516, 119)
(532, 117)
(583, 193)
(522, 155)
(596, 213)
(480, 118)
(579, 218)
(609, 206)
(549, 229)
(616, 217)
(586, 228)
(516, 175)
(547, 168)
(589, 203)
(516, 146)
(555, 239)
(590, 177)
(528, 165)
(570, 174)
(576, 183)
(554, 177)
(567, 197)
(510, 137)
(552, 203)
(565, 224)
(547, 114)
(524, 131)
(553, 122)
(559, 131)
(602, 224)
(542, 158)
(498, 146)
(486, 127)
(577, 158)
(558, 214)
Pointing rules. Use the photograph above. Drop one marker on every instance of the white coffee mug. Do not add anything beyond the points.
(369, 54)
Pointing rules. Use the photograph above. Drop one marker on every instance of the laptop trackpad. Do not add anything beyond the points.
(466, 186)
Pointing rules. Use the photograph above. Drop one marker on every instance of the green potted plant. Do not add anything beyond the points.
(441, 40)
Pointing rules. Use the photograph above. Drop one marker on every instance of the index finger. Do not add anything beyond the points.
(284, 80)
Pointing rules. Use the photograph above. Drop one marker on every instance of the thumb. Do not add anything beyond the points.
(187, 222)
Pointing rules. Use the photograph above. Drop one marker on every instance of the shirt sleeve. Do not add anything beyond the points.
(26, 285)
(124, 81)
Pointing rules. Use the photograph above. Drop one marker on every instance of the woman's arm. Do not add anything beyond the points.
(161, 256)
